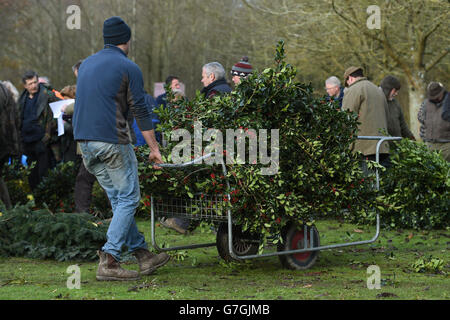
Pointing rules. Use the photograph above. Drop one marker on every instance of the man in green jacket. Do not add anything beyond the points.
(369, 102)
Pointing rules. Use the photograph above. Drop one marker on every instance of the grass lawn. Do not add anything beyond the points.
(200, 274)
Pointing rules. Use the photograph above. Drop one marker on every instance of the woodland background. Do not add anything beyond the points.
(323, 38)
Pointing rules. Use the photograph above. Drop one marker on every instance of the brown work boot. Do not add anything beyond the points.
(110, 270)
(149, 262)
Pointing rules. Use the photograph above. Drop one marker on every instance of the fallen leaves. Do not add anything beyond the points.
(322, 295)
(65, 297)
(202, 289)
(311, 274)
(142, 286)
(409, 237)
(386, 295)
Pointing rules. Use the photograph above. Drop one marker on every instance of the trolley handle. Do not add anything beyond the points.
(195, 161)
(377, 155)
(209, 155)
(185, 164)
(381, 140)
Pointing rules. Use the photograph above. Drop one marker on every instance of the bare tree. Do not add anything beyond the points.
(323, 37)
(333, 34)
(413, 38)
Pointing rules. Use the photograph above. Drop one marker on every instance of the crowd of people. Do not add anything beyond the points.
(112, 113)
(379, 112)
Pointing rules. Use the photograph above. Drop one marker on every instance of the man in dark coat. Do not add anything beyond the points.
(213, 79)
(9, 136)
(36, 125)
(396, 123)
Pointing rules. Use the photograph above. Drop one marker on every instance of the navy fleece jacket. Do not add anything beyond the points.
(109, 85)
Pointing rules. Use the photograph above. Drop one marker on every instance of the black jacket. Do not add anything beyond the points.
(217, 87)
(43, 113)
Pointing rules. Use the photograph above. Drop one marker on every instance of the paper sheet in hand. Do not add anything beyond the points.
(60, 125)
(56, 107)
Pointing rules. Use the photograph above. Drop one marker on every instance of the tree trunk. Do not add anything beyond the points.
(133, 34)
(416, 96)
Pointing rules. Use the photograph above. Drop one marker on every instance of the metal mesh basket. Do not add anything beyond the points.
(200, 207)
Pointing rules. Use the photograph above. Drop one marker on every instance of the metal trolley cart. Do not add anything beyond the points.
(300, 246)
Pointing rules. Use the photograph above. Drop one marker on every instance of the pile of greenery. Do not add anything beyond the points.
(318, 173)
(42, 234)
(418, 188)
(428, 264)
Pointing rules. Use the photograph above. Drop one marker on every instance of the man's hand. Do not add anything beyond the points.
(155, 157)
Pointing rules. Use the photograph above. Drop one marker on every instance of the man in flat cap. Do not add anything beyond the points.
(434, 117)
(369, 102)
(109, 87)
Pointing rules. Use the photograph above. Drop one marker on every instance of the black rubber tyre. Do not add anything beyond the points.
(292, 240)
(243, 243)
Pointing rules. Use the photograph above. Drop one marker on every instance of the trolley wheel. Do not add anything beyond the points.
(293, 239)
(243, 243)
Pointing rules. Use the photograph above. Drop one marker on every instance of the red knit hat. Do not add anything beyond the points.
(242, 68)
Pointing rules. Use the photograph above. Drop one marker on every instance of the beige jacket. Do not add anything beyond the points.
(369, 102)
